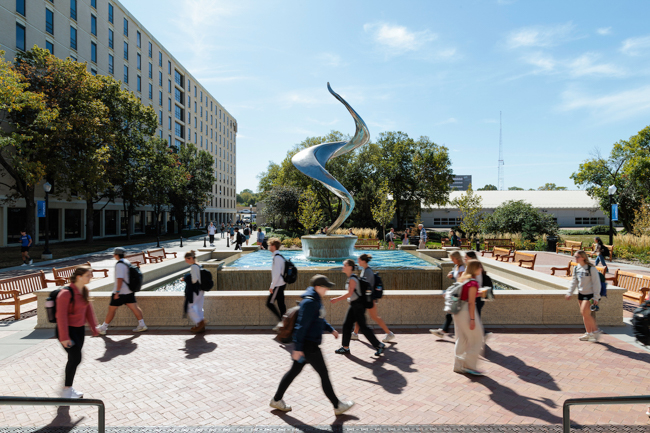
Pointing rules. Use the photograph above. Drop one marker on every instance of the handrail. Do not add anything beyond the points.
(566, 416)
(45, 401)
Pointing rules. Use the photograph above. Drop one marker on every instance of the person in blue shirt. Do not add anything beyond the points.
(307, 336)
(25, 243)
(423, 237)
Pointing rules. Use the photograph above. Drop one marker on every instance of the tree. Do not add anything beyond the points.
(383, 210)
(515, 188)
(471, 212)
(310, 215)
(642, 219)
(282, 202)
(488, 187)
(551, 187)
(517, 216)
(247, 198)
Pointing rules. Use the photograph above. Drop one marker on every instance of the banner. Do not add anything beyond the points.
(614, 212)
(41, 209)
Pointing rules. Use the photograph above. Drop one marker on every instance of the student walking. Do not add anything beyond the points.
(586, 280)
(247, 233)
(423, 237)
(405, 238)
(453, 239)
(212, 230)
(369, 275)
(122, 295)
(223, 229)
(239, 239)
(73, 310)
(456, 272)
(483, 280)
(391, 239)
(356, 313)
(260, 238)
(232, 233)
(25, 244)
(602, 251)
(194, 296)
(307, 336)
(278, 285)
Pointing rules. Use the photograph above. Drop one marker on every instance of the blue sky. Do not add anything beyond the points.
(570, 77)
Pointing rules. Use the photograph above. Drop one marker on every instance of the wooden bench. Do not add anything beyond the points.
(465, 244)
(570, 246)
(160, 253)
(20, 290)
(525, 260)
(141, 259)
(637, 285)
(503, 243)
(367, 244)
(595, 254)
(569, 271)
(64, 274)
(498, 253)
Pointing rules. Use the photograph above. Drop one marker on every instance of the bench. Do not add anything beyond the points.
(525, 260)
(499, 253)
(160, 253)
(64, 274)
(465, 244)
(569, 246)
(367, 244)
(569, 271)
(22, 289)
(491, 243)
(595, 254)
(637, 286)
(141, 259)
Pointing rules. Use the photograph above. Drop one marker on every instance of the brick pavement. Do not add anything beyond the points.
(545, 261)
(171, 378)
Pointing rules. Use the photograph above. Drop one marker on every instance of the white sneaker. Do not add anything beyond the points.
(102, 329)
(585, 337)
(354, 336)
(437, 332)
(277, 327)
(389, 337)
(71, 393)
(140, 328)
(280, 405)
(594, 337)
(344, 406)
(24, 264)
(31, 261)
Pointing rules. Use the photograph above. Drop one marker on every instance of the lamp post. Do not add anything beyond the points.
(47, 187)
(251, 214)
(611, 190)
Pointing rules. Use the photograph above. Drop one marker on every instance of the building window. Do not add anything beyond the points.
(110, 64)
(169, 86)
(189, 103)
(74, 59)
(160, 99)
(159, 78)
(169, 67)
(73, 38)
(93, 71)
(126, 51)
(589, 221)
(178, 112)
(126, 27)
(126, 74)
(160, 119)
(139, 83)
(73, 9)
(93, 25)
(178, 95)
(49, 46)
(179, 144)
(169, 104)
(150, 71)
(138, 39)
(150, 91)
(110, 38)
(93, 3)
(93, 52)
(160, 59)
(20, 7)
(150, 50)
(170, 137)
(139, 61)
(110, 13)
(169, 123)
(178, 78)
(49, 21)
(178, 129)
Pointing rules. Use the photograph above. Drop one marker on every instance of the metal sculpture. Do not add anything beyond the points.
(311, 162)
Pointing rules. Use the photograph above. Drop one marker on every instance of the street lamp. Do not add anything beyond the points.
(251, 215)
(611, 190)
(46, 252)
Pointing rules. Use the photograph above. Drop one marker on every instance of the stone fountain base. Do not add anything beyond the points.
(334, 247)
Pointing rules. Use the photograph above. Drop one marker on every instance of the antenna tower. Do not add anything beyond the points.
(500, 156)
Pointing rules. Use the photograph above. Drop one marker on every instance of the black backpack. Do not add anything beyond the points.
(388, 239)
(365, 293)
(604, 250)
(290, 274)
(246, 232)
(641, 323)
(50, 302)
(240, 238)
(135, 277)
(378, 290)
(206, 280)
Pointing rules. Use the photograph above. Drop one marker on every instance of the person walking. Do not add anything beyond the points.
(239, 239)
(122, 295)
(307, 336)
(454, 275)
(223, 229)
(25, 244)
(453, 239)
(483, 281)
(391, 239)
(276, 290)
(369, 275)
(72, 312)
(467, 323)
(212, 230)
(405, 238)
(260, 238)
(232, 233)
(247, 233)
(194, 296)
(602, 251)
(356, 312)
(586, 280)
(423, 237)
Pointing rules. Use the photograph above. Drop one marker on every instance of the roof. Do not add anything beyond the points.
(539, 199)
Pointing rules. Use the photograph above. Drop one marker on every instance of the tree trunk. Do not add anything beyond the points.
(90, 221)
(398, 214)
(30, 208)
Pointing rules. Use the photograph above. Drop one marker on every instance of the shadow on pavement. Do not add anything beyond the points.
(392, 381)
(62, 422)
(525, 372)
(197, 346)
(336, 426)
(644, 357)
(118, 348)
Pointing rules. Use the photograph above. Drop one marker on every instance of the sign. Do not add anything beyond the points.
(614, 212)
(41, 209)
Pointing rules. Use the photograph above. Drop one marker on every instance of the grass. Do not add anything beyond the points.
(10, 256)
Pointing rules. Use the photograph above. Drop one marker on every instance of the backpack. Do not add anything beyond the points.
(50, 303)
(388, 239)
(285, 333)
(365, 293)
(290, 274)
(603, 284)
(453, 304)
(604, 250)
(378, 290)
(206, 279)
(641, 323)
(135, 277)
(240, 238)
(246, 232)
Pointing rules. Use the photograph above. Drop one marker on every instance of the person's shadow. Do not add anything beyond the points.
(392, 381)
(197, 346)
(118, 348)
(337, 425)
(62, 422)
(644, 357)
(525, 372)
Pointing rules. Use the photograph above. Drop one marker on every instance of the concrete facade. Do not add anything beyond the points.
(111, 41)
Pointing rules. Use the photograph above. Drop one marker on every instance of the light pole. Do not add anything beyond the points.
(46, 252)
(251, 214)
(611, 190)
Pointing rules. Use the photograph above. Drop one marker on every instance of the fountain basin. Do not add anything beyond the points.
(321, 247)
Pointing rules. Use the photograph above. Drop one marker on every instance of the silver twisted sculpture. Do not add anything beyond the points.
(311, 162)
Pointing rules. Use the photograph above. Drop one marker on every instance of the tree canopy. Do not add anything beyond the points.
(488, 187)
(517, 216)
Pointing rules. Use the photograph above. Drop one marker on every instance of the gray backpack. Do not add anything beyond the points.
(453, 304)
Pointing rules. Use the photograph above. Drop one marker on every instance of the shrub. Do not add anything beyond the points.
(517, 216)
(297, 242)
(599, 230)
(287, 242)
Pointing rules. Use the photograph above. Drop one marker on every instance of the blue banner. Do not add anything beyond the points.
(614, 212)
(41, 209)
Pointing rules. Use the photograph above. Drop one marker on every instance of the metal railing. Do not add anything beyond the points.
(566, 415)
(42, 401)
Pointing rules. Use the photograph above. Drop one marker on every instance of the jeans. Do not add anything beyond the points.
(277, 295)
(77, 334)
(601, 259)
(357, 314)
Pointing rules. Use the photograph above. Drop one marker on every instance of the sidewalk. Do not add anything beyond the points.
(545, 261)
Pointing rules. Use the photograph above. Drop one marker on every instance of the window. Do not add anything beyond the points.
(178, 78)
(160, 59)
(73, 38)
(93, 71)
(139, 61)
(138, 39)
(160, 100)
(178, 95)
(178, 143)
(169, 104)
(93, 3)
(178, 112)
(93, 52)
(150, 71)
(189, 103)
(150, 49)
(126, 74)
(150, 91)
(169, 123)
(110, 38)
(20, 8)
(110, 63)
(74, 59)
(126, 27)
(73, 9)
(178, 129)
(126, 51)
(93, 25)
(110, 13)
(170, 137)
(189, 85)
(49, 21)
(159, 78)
(160, 117)
(169, 67)
(169, 86)
(139, 83)
(49, 46)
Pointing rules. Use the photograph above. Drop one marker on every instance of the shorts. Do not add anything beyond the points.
(247, 237)
(122, 300)
(24, 249)
(582, 297)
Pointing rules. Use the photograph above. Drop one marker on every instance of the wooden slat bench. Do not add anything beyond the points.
(20, 290)
(525, 260)
(503, 243)
(465, 244)
(498, 253)
(64, 274)
(367, 244)
(637, 285)
(160, 253)
(569, 271)
(595, 254)
(568, 246)
(141, 259)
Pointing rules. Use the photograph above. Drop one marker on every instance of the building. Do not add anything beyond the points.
(569, 208)
(461, 182)
(111, 41)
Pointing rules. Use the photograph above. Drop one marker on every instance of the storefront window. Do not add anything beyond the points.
(72, 224)
(110, 223)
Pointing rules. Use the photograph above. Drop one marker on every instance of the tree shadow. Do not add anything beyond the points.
(62, 422)
(336, 426)
(518, 404)
(525, 372)
(197, 346)
(118, 348)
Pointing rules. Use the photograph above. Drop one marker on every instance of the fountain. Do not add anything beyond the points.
(311, 162)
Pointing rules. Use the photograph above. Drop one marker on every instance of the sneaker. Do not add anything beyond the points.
(585, 337)
(389, 337)
(200, 327)
(102, 329)
(437, 332)
(277, 327)
(380, 349)
(140, 328)
(598, 331)
(342, 351)
(594, 337)
(31, 261)
(344, 406)
(354, 336)
(280, 405)
(24, 264)
(473, 372)
(486, 336)
(71, 393)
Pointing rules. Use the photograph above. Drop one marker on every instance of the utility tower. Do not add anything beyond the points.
(501, 187)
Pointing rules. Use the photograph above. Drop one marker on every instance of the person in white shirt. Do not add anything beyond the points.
(586, 280)
(391, 239)
(212, 230)
(194, 296)
(277, 282)
(122, 295)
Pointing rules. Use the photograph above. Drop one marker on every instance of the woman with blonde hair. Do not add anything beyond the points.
(586, 280)
(467, 323)
(369, 275)
(455, 273)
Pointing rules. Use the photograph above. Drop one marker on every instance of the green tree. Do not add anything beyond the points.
(488, 187)
(551, 187)
(517, 216)
(247, 198)
(383, 210)
(281, 204)
(515, 188)
(310, 215)
(471, 212)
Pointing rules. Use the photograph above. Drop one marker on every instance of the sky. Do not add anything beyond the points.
(570, 78)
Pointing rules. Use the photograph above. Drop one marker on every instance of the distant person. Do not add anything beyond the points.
(239, 239)
(122, 295)
(391, 239)
(307, 336)
(260, 238)
(586, 280)
(223, 229)
(73, 311)
(602, 251)
(247, 233)
(278, 284)
(232, 233)
(423, 237)
(25, 244)
(405, 238)
(194, 296)
(455, 273)
(453, 239)
(350, 232)
(211, 232)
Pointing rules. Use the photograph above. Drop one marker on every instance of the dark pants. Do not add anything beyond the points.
(77, 334)
(237, 246)
(314, 357)
(448, 321)
(357, 314)
(211, 239)
(277, 295)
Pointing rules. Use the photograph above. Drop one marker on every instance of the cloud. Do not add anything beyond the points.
(195, 16)
(398, 39)
(447, 121)
(539, 36)
(329, 59)
(543, 62)
(636, 46)
(584, 65)
(604, 31)
(615, 106)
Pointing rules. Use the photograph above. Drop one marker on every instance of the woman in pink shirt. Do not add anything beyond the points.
(73, 310)
(467, 323)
